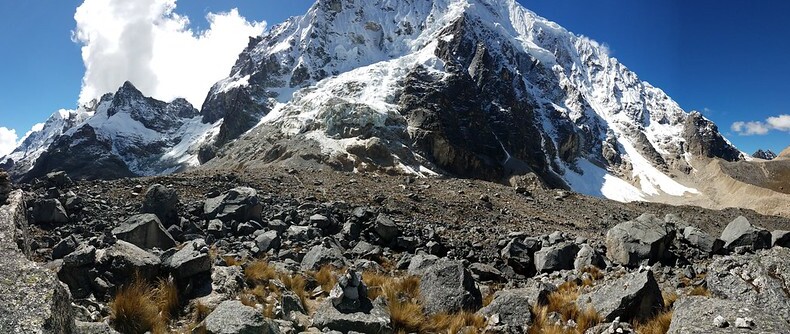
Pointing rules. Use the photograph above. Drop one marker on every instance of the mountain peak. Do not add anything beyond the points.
(764, 154)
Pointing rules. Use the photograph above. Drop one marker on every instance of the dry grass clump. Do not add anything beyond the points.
(700, 290)
(259, 272)
(260, 277)
(165, 295)
(325, 277)
(138, 307)
(563, 301)
(657, 325)
(464, 322)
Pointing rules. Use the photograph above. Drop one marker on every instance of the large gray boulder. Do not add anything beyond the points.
(372, 317)
(267, 240)
(32, 300)
(163, 202)
(448, 287)
(518, 255)
(757, 279)
(322, 255)
(125, 260)
(741, 233)
(421, 263)
(645, 239)
(636, 296)
(49, 211)
(233, 317)
(588, 257)
(386, 228)
(702, 241)
(556, 257)
(240, 204)
(697, 314)
(190, 260)
(145, 231)
(510, 308)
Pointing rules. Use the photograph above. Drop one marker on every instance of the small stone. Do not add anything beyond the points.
(720, 322)
(744, 323)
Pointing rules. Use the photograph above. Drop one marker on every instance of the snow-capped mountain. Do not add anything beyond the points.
(764, 154)
(472, 88)
(122, 134)
(41, 136)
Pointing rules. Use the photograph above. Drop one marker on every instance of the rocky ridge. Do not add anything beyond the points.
(296, 225)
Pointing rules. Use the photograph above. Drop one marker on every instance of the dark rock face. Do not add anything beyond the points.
(703, 139)
(162, 202)
(373, 317)
(5, 186)
(448, 287)
(145, 231)
(49, 211)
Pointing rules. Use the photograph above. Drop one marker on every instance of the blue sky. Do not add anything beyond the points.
(726, 58)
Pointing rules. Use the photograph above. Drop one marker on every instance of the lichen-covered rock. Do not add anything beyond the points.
(512, 308)
(240, 204)
(190, 260)
(702, 241)
(32, 300)
(372, 317)
(321, 255)
(756, 279)
(49, 211)
(698, 315)
(448, 287)
(233, 317)
(556, 257)
(645, 239)
(635, 296)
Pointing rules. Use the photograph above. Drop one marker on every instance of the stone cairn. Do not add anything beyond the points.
(349, 294)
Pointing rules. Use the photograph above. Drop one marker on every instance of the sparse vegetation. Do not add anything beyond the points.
(325, 277)
(135, 310)
(462, 322)
(699, 290)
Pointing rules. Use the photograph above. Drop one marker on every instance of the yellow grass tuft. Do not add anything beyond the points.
(563, 301)
(700, 290)
(165, 295)
(454, 323)
(134, 310)
(325, 277)
(658, 325)
(259, 272)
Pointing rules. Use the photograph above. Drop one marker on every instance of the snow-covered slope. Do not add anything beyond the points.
(474, 88)
(41, 136)
(123, 134)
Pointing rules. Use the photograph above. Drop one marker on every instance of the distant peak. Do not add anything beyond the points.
(129, 89)
(764, 154)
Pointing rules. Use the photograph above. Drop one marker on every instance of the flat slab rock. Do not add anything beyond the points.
(760, 279)
(32, 300)
(697, 314)
(373, 318)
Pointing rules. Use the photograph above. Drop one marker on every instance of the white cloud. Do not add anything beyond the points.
(147, 43)
(8, 139)
(781, 122)
(750, 128)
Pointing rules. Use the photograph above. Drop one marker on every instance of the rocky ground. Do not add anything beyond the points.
(309, 250)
